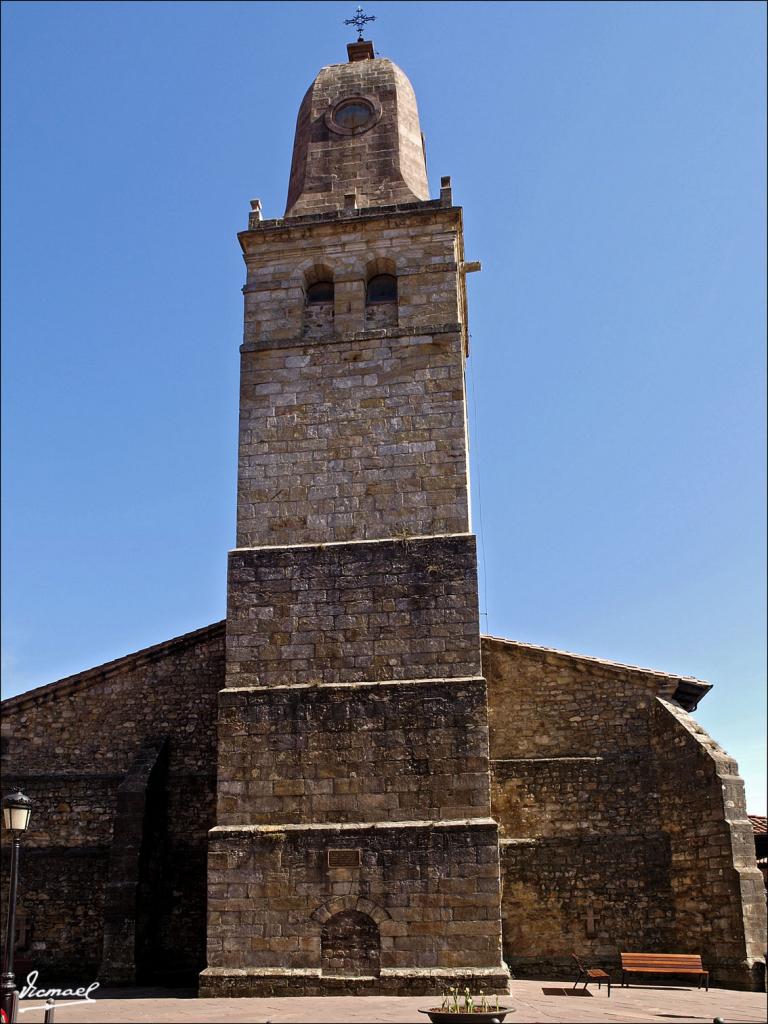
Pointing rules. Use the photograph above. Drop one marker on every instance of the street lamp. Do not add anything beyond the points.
(16, 811)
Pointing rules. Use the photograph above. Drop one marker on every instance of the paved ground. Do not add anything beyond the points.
(532, 1001)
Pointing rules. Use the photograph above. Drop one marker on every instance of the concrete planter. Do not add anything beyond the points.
(477, 1017)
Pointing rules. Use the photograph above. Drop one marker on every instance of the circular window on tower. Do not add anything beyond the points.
(353, 115)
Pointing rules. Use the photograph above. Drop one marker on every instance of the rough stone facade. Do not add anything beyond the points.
(384, 806)
(623, 824)
(342, 753)
(120, 762)
(357, 433)
(343, 613)
(430, 887)
(598, 852)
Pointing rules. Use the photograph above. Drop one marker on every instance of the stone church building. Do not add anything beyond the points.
(343, 786)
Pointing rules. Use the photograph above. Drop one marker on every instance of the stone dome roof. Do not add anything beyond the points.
(358, 134)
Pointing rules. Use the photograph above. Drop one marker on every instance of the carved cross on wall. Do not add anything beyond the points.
(359, 21)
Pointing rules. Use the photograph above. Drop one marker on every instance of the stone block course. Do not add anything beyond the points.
(366, 752)
(535, 797)
(423, 249)
(411, 880)
(359, 441)
(353, 612)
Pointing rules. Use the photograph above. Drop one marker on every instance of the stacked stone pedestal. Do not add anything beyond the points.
(425, 893)
(354, 849)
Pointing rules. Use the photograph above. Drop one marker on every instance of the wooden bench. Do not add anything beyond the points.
(591, 974)
(663, 963)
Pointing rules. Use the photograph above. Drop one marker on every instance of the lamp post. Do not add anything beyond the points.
(16, 811)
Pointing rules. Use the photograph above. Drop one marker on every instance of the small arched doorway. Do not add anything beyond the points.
(350, 945)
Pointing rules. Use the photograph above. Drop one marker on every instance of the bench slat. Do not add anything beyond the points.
(664, 956)
(688, 959)
(662, 963)
(663, 970)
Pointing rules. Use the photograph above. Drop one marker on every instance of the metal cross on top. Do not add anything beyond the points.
(359, 21)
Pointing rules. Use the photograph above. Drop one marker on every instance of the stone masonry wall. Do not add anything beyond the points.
(584, 795)
(358, 432)
(718, 890)
(421, 245)
(344, 613)
(431, 888)
(589, 895)
(61, 900)
(363, 752)
(615, 833)
(352, 440)
(70, 808)
(69, 745)
(545, 704)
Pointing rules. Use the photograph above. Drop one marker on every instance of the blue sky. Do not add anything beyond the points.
(610, 159)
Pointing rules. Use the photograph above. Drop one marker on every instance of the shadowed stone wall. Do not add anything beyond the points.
(74, 747)
(350, 945)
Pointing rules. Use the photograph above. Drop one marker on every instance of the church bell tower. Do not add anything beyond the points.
(354, 851)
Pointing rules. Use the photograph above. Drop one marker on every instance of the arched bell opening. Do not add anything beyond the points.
(319, 297)
(381, 294)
